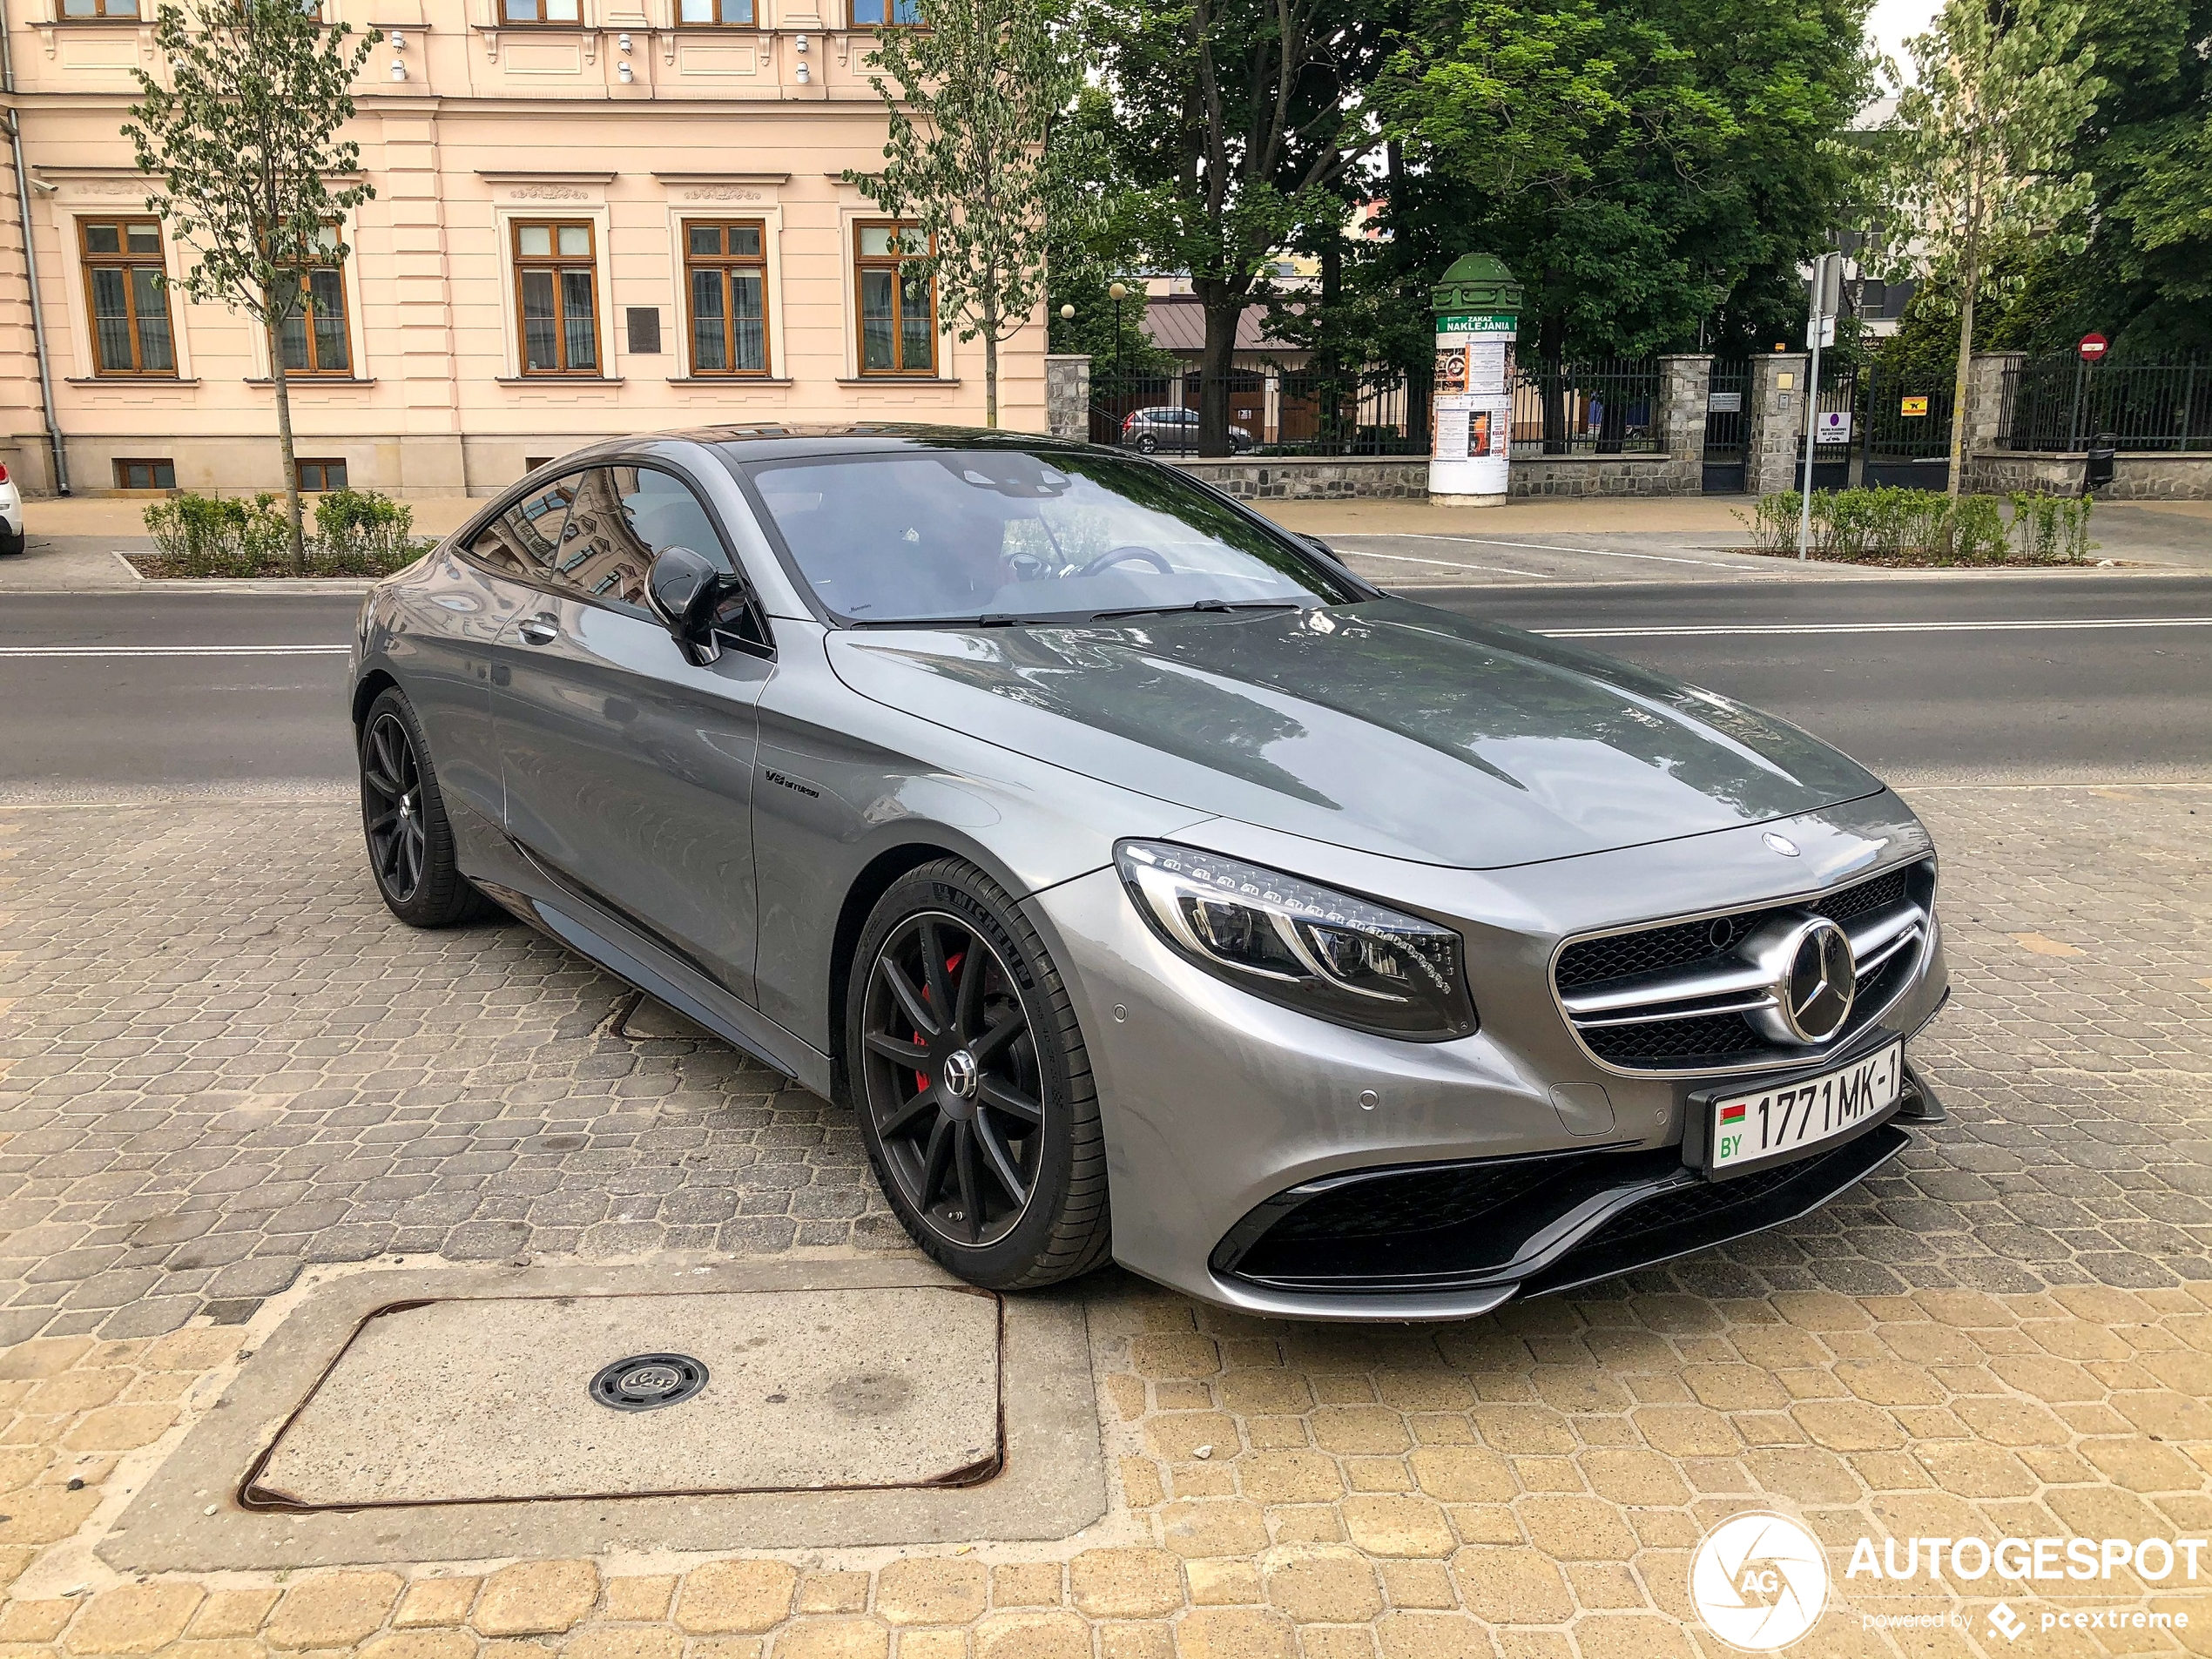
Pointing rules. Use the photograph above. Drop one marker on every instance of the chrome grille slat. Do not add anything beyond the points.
(1682, 1004)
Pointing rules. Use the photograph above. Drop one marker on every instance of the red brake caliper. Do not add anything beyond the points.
(952, 967)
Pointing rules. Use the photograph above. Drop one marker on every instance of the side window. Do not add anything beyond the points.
(625, 518)
(525, 540)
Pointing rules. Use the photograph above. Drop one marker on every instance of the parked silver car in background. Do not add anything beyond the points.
(1164, 425)
(1150, 885)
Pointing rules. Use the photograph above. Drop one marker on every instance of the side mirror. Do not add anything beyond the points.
(684, 587)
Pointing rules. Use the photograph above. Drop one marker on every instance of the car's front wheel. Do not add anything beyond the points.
(974, 1090)
(403, 817)
(1147, 444)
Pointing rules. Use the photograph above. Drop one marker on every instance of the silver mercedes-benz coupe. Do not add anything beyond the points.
(1151, 887)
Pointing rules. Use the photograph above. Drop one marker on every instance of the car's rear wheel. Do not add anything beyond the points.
(403, 818)
(1146, 444)
(974, 1090)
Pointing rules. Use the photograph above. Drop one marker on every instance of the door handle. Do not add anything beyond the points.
(539, 630)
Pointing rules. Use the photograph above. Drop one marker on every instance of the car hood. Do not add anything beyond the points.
(1385, 726)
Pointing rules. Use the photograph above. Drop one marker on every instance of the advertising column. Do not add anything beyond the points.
(1478, 309)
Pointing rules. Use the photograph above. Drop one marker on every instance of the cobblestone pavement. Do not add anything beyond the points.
(219, 1061)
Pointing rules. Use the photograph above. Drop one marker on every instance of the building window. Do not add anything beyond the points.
(155, 474)
(709, 14)
(898, 300)
(314, 336)
(726, 275)
(558, 284)
(540, 10)
(123, 9)
(318, 476)
(879, 14)
(130, 307)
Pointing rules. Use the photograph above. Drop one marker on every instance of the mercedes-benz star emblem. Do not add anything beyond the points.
(962, 1074)
(1781, 844)
(1811, 978)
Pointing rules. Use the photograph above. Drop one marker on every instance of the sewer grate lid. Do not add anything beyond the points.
(645, 1382)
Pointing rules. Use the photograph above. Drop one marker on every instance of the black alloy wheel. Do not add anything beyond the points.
(972, 1084)
(403, 820)
(392, 807)
(953, 1079)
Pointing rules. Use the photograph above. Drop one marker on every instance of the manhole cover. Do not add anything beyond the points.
(646, 1382)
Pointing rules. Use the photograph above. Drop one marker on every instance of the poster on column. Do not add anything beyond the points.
(1473, 405)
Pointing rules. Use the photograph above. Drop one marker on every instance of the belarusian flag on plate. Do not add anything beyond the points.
(1732, 1115)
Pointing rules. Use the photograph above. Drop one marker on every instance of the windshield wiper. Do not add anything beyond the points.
(1198, 604)
(995, 620)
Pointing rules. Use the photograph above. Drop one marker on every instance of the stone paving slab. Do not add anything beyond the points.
(222, 1063)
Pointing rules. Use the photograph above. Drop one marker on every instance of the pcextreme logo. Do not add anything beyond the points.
(1759, 1580)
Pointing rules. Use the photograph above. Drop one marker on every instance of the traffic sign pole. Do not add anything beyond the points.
(1827, 273)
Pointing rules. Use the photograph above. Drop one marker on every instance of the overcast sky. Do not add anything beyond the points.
(1895, 20)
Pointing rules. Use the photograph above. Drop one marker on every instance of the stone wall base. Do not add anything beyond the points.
(1588, 475)
(1315, 477)
(2135, 477)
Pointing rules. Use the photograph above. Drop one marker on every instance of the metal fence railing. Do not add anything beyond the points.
(2064, 404)
(1609, 407)
(1281, 412)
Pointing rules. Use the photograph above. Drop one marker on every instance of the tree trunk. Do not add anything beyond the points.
(1551, 366)
(1972, 275)
(991, 360)
(1224, 307)
(292, 507)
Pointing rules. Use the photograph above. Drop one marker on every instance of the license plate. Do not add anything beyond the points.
(1772, 1124)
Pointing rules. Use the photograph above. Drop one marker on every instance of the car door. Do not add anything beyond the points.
(629, 771)
(449, 667)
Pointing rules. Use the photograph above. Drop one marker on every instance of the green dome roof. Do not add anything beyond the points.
(1477, 282)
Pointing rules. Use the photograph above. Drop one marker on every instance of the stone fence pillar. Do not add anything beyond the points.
(1776, 420)
(1685, 381)
(1066, 394)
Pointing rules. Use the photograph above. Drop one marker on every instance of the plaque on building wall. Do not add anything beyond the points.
(644, 330)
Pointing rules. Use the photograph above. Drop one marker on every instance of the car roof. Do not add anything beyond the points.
(794, 440)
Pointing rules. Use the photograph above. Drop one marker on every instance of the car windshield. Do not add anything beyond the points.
(997, 535)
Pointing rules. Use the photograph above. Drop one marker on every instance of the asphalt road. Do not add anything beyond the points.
(2089, 677)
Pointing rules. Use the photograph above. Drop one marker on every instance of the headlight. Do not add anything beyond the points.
(1309, 947)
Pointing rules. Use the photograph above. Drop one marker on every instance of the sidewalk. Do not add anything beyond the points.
(1398, 543)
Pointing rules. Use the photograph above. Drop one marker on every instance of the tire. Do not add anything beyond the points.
(1147, 444)
(993, 1197)
(404, 821)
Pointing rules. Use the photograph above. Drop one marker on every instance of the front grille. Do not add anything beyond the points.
(1680, 996)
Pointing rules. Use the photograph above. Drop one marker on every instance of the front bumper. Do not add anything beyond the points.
(1267, 1161)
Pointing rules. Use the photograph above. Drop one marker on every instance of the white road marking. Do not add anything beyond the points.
(174, 650)
(1762, 630)
(1448, 564)
(1549, 547)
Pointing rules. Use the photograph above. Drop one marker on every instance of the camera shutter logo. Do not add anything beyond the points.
(1759, 1580)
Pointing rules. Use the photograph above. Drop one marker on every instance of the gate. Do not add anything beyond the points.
(1726, 426)
(1908, 434)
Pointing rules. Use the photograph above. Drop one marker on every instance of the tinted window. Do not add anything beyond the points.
(916, 536)
(624, 517)
(525, 540)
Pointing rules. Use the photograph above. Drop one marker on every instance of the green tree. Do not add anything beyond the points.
(1238, 122)
(1973, 167)
(242, 144)
(1091, 243)
(1654, 171)
(972, 95)
(2145, 274)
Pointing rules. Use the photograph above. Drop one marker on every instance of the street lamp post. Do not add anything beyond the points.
(1117, 293)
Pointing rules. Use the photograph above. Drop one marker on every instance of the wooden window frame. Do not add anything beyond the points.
(149, 462)
(889, 21)
(300, 463)
(315, 370)
(125, 260)
(726, 263)
(865, 262)
(556, 263)
(101, 14)
(718, 21)
(541, 21)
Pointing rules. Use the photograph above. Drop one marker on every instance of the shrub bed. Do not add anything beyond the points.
(357, 533)
(1919, 527)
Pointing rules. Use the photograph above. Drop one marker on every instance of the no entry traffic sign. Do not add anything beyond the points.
(2092, 346)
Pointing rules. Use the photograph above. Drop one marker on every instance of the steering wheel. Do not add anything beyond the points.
(1129, 554)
